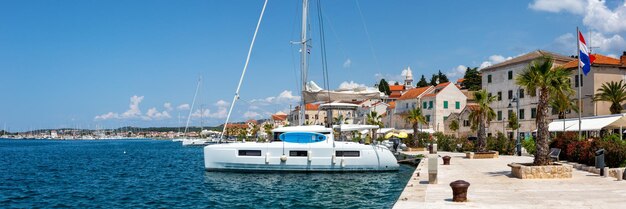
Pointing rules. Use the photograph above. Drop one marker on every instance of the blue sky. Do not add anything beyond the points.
(114, 63)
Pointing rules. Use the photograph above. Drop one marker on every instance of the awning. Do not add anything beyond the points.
(410, 131)
(354, 127)
(589, 123)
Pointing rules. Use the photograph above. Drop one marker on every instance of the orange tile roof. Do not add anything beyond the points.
(311, 106)
(530, 56)
(396, 87)
(392, 105)
(460, 80)
(279, 117)
(600, 60)
(414, 93)
(430, 95)
(395, 95)
(236, 125)
(442, 85)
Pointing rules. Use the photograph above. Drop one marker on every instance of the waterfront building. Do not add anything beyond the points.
(368, 106)
(314, 116)
(499, 80)
(279, 119)
(462, 118)
(437, 103)
(605, 69)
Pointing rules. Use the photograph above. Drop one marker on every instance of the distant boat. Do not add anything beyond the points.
(186, 141)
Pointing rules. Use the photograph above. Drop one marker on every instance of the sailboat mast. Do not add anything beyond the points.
(193, 102)
(303, 57)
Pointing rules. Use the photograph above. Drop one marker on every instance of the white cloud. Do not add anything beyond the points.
(565, 44)
(154, 114)
(599, 17)
(349, 85)
(391, 78)
(221, 110)
(133, 109)
(183, 107)
(284, 97)
(605, 43)
(251, 114)
(347, 63)
(107, 116)
(221, 103)
(494, 59)
(205, 113)
(456, 72)
(168, 106)
(604, 23)
(573, 6)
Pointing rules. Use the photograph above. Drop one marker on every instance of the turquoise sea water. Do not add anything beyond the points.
(163, 174)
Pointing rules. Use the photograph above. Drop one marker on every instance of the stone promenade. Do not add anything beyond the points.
(492, 186)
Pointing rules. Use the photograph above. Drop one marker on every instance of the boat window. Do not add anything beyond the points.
(298, 153)
(249, 152)
(348, 153)
(276, 134)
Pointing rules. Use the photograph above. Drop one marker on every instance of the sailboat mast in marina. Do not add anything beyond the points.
(300, 148)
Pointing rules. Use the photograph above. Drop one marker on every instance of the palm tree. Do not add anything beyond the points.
(613, 92)
(540, 77)
(374, 119)
(415, 117)
(481, 116)
(562, 104)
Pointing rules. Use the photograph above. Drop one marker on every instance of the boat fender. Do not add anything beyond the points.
(267, 158)
(334, 159)
(283, 158)
(309, 155)
(343, 163)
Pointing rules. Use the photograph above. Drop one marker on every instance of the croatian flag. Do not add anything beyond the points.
(584, 57)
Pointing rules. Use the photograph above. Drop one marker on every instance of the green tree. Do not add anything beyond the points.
(513, 122)
(481, 116)
(255, 130)
(383, 86)
(267, 128)
(422, 82)
(442, 77)
(472, 79)
(540, 77)
(434, 80)
(613, 92)
(454, 126)
(415, 117)
(374, 119)
(562, 104)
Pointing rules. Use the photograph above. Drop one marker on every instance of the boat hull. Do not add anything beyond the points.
(295, 157)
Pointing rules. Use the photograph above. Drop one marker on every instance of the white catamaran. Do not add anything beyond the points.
(301, 148)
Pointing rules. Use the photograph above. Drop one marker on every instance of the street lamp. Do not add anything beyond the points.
(518, 144)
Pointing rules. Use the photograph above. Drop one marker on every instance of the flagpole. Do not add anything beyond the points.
(580, 79)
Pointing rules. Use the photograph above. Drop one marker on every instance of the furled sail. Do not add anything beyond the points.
(313, 93)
